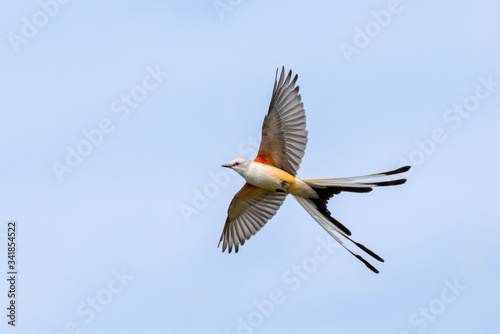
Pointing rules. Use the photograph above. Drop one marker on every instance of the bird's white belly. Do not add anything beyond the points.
(262, 176)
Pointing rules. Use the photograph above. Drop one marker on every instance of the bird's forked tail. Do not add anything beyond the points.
(327, 188)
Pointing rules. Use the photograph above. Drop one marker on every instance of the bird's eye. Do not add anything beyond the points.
(236, 164)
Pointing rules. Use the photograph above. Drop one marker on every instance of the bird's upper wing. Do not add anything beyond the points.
(249, 210)
(284, 134)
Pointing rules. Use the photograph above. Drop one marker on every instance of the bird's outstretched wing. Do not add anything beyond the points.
(249, 210)
(284, 134)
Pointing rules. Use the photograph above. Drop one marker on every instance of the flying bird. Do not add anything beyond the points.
(271, 176)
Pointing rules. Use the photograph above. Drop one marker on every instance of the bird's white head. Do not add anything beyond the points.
(239, 165)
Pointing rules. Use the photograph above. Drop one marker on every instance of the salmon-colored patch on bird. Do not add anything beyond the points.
(262, 160)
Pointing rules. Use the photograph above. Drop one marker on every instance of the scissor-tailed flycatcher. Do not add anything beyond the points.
(271, 176)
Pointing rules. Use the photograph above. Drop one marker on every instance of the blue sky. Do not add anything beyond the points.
(154, 96)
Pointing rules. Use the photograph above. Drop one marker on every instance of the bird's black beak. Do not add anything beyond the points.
(226, 165)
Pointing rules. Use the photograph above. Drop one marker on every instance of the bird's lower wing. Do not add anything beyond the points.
(250, 209)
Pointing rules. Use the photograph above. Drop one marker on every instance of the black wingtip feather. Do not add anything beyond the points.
(356, 189)
(390, 183)
(399, 170)
(405, 169)
(372, 268)
(369, 252)
(338, 224)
